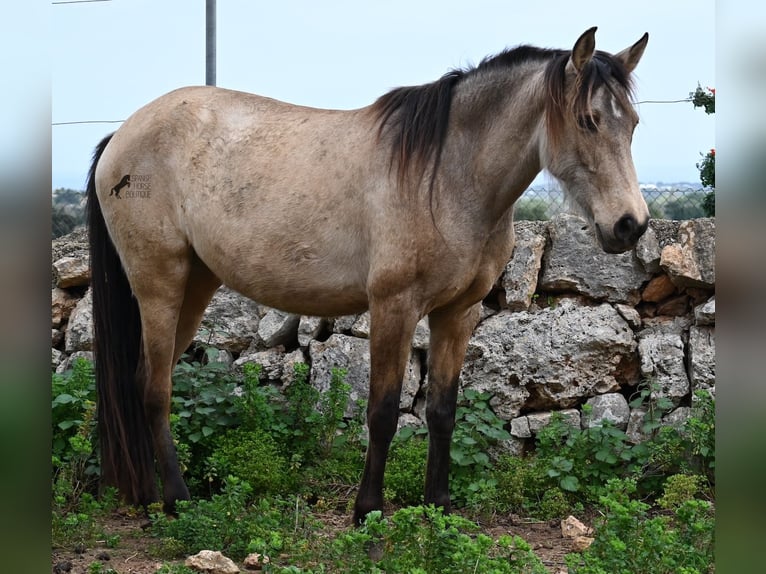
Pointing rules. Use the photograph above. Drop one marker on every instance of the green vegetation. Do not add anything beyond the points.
(705, 99)
(629, 539)
(68, 211)
(267, 467)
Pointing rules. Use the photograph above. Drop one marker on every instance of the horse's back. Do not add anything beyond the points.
(273, 198)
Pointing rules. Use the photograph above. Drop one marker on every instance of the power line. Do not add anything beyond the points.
(79, 1)
(685, 100)
(664, 101)
(87, 121)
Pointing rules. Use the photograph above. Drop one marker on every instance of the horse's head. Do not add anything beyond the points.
(589, 129)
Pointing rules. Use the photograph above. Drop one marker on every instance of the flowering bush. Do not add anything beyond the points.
(706, 99)
(707, 169)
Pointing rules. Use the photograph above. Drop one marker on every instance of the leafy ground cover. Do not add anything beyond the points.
(275, 473)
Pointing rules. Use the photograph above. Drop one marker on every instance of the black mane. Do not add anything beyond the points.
(417, 117)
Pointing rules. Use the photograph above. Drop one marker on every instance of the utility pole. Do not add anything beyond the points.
(210, 43)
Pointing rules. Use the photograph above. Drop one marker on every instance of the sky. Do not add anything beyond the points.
(110, 58)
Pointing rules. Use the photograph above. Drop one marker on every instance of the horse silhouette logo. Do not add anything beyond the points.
(124, 182)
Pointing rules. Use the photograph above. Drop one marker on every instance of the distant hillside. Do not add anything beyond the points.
(68, 211)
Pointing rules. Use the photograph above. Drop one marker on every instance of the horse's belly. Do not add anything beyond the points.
(325, 287)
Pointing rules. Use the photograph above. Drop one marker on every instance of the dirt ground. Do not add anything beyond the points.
(131, 555)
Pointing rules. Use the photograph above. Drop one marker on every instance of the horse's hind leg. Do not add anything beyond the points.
(159, 288)
(201, 285)
(450, 332)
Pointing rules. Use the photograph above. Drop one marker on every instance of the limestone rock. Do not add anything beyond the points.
(288, 365)
(702, 357)
(705, 314)
(677, 306)
(270, 360)
(612, 407)
(519, 280)
(79, 333)
(67, 362)
(72, 271)
(230, 321)
(256, 561)
(631, 316)
(62, 305)
(56, 358)
(571, 527)
(278, 328)
(342, 325)
(74, 244)
(422, 337)
(309, 328)
(691, 261)
(677, 418)
(576, 262)
(661, 352)
(552, 359)
(635, 430)
(648, 250)
(361, 327)
(520, 427)
(658, 289)
(528, 425)
(211, 562)
(581, 543)
(353, 354)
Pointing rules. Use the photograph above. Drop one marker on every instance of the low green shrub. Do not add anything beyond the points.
(253, 456)
(406, 470)
(231, 522)
(422, 539)
(73, 409)
(629, 539)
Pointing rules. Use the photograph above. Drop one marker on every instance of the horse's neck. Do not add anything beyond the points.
(494, 152)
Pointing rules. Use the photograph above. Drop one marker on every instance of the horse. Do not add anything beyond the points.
(124, 182)
(403, 208)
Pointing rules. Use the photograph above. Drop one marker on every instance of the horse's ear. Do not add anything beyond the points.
(631, 56)
(583, 50)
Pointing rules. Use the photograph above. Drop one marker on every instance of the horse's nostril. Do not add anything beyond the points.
(628, 229)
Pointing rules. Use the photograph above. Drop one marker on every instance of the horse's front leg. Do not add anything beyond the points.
(392, 324)
(450, 332)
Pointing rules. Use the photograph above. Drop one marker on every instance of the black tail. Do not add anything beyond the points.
(127, 454)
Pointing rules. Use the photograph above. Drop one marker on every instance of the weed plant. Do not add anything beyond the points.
(256, 459)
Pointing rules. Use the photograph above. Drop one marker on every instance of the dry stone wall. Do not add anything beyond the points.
(566, 325)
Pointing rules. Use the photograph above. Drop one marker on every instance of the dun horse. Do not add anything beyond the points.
(404, 208)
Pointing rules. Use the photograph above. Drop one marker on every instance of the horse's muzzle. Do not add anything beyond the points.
(624, 234)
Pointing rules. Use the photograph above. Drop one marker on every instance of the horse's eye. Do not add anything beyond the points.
(589, 122)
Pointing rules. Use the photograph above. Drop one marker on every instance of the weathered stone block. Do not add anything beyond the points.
(353, 354)
(309, 328)
(612, 407)
(278, 328)
(72, 271)
(691, 261)
(576, 262)
(519, 280)
(230, 321)
(62, 305)
(552, 359)
(702, 358)
(705, 314)
(661, 351)
(79, 333)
